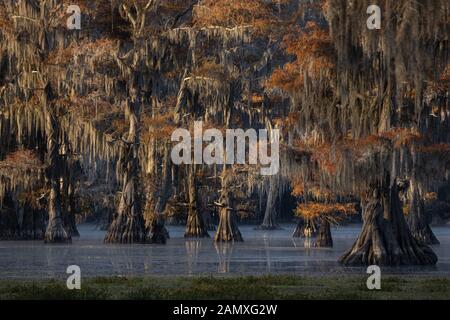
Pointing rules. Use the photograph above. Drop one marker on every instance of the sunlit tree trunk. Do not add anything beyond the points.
(228, 229)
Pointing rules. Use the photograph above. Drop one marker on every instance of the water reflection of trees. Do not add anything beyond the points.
(224, 251)
(58, 257)
(193, 247)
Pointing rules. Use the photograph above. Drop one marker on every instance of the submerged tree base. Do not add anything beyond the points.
(126, 230)
(324, 239)
(301, 230)
(425, 235)
(56, 233)
(420, 228)
(228, 229)
(158, 233)
(195, 228)
(387, 241)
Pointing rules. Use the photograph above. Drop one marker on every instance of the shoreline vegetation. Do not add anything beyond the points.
(273, 287)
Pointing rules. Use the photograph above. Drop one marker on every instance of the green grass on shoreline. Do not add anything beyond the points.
(216, 288)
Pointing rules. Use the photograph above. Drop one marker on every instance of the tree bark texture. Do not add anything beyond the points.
(55, 232)
(128, 224)
(385, 238)
(195, 227)
(324, 238)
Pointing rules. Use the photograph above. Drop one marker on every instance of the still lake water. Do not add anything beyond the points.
(262, 252)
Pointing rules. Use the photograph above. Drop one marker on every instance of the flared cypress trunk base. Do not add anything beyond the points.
(195, 227)
(56, 233)
(387, 241)
(420, 229)
(125, 229)
(424, 235)
(72, 230)
(418, 220)
(301, 230)
(324, 239)
(227, 230)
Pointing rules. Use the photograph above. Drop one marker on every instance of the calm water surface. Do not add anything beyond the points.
(263, 252)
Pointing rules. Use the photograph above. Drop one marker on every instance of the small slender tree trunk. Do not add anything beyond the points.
(157, 232)
(55, 232)
(324, 239)
(195, 227)
(417, 218)
(270, 215)
(128, 224)
(385, 238)
(69, 218)
(302, 228)
(228, 229)
(298, 232)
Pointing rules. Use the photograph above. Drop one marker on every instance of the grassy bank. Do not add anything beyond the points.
(264, 287)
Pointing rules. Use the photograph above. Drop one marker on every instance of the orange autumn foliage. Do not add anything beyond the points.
(313, 210)
(25, 159)
(234, 13)
(298, 188)
(313, 52)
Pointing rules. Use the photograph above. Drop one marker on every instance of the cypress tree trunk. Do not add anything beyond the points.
(298, 232)
(69, 218)
(269, 222)
(195, 227)
(324, 239)
(55, 232)
(302, 228)
(228, 229)
(128, 224)
(385, 238)
(157, 232)
(71, 171)
(417, 219)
